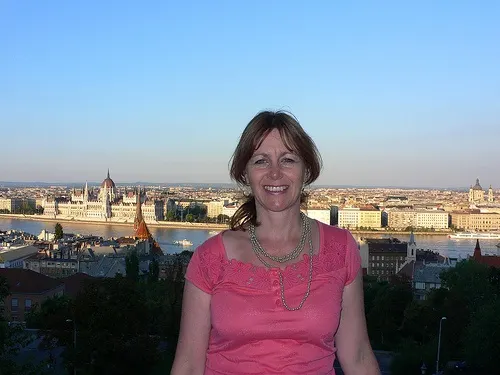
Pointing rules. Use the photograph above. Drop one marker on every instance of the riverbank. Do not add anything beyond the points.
(164, 224)
(395, 232)
(197, 226)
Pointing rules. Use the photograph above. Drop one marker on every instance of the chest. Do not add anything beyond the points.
(247, 303)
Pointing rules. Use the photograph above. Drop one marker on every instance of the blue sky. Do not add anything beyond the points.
(402, 93)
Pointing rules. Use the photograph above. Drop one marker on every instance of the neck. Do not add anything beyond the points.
(279, 226)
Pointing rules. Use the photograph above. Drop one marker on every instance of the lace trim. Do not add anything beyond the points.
(330, 258)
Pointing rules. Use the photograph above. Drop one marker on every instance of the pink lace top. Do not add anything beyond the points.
(252, 333)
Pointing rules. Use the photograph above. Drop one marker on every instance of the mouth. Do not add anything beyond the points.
(275, 189)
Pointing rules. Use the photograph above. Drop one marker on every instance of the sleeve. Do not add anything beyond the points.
(352, 258)
(204, 267)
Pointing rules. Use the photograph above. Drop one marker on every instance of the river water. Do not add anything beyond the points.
(166, 236)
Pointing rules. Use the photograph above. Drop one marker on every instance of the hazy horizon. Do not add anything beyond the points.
(212, 184)
(394, 94)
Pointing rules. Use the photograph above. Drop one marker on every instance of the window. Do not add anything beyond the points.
(27, 304)
(419, 285)
(14, 304)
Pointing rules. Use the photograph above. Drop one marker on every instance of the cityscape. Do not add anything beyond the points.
(127, 163)
(389, 225)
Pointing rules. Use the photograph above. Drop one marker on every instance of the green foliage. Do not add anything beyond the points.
(469, 300)
(154, 271)
(58, 232)
(132, 265)
(119, 322)
(385, 305)
(482, 338)
(170, 216)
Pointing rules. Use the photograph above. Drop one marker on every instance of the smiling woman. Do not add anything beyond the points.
(278, 292)
(273, 143)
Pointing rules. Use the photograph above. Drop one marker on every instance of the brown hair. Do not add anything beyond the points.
(294, 137)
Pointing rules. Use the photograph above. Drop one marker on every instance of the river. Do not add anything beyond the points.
(166, 236)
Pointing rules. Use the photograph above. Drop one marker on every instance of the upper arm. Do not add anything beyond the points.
(353, 346)
(194, 332)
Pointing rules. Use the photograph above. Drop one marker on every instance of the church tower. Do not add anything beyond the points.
(476, 193)
(411, 249)
(490, 195)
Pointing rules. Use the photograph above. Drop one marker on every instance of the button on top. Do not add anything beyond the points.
(275, 283)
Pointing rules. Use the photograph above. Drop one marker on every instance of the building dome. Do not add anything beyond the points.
(477, 186)
(108, 183)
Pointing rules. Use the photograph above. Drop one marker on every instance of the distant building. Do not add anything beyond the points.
(14, 257)
(475, 220)
(230, 209)
(27, 288)
(104, 205)
(320, 214)
(427, 276)
(477, 194)
(383, 257)
(489, 260)
(417, 218)
(16, 205)
(365, 216)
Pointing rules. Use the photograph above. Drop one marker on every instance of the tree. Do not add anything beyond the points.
(170, 216)
(112, 319)
(482, 345)
(132, 265)
(58, 232)
(154, 271)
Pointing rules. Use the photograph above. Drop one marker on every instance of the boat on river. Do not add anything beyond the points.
(183, 242)
(474, 236)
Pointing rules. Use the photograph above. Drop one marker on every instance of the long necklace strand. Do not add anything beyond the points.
(307, 230)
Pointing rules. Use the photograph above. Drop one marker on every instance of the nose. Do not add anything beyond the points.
(275, 172)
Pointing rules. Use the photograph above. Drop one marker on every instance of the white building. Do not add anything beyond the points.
(400, 219)
(106, 205)
(320, 214)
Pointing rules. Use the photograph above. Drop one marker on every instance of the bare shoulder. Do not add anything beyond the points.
(236, 244)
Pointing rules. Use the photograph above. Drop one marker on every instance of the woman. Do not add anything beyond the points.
(279, 293)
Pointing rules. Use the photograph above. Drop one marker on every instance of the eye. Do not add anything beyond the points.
(260, 161)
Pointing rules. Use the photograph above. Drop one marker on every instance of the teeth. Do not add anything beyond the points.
(275, 188)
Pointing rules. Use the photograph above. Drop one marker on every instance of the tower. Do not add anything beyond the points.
(477, 251)
(490, 195)
(476, 193)
(411, 253)
(138, 209)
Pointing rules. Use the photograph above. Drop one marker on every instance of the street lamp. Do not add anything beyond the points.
(439, 344)
(423, 369)
(74, 343)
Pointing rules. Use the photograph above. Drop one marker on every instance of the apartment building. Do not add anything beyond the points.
(214, 208)
(385, 256)
(477, 221)
(27, 288)
(400, 219)
(357, 217)
(14, 205)
(323, 215)
(370, 218)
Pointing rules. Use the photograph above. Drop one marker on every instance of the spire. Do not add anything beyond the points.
(477, 251)
(108, 173)
(86, 192)
(412, 239)
(138, 209)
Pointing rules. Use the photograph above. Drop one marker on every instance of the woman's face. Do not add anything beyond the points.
(275, 174)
